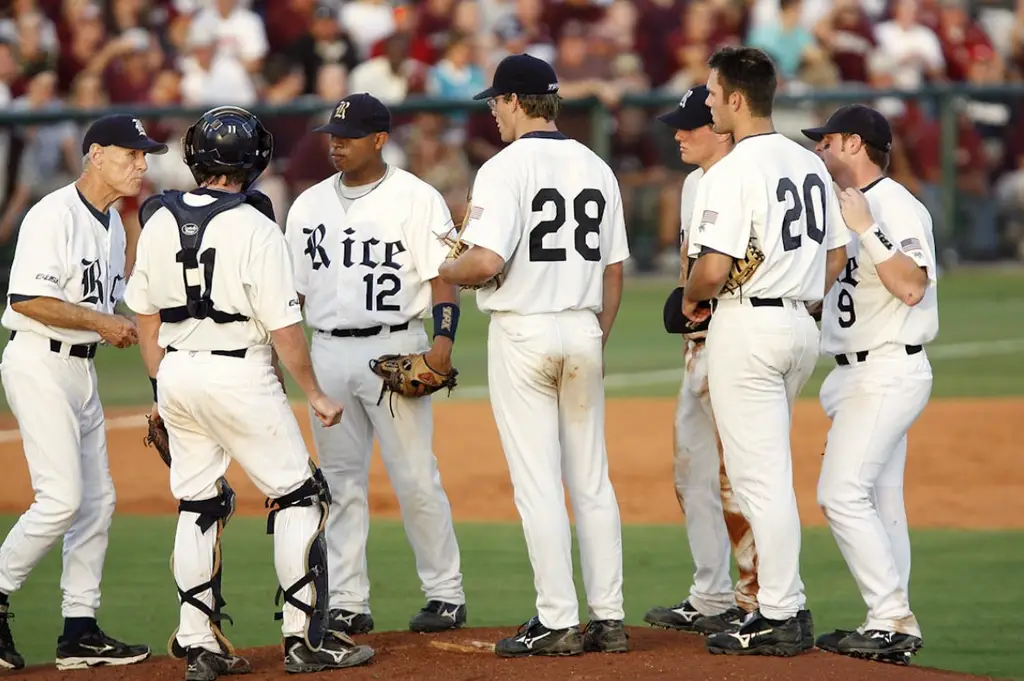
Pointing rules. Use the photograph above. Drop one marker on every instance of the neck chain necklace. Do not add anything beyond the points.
(341, 184)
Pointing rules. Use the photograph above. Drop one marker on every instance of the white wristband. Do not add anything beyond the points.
(876, 244)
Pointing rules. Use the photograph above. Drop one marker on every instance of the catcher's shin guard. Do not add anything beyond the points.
(216, 511)
(314, 492)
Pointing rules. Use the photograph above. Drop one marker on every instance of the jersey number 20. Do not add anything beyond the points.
(585, 224)
(787, 192)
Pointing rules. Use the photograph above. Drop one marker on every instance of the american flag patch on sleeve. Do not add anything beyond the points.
(910, 244)
(709, 217)
(476, 212)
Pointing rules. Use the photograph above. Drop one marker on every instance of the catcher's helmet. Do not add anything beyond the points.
(228, 138)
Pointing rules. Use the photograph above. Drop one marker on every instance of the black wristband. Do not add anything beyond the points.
(446, 320)
(153, 381)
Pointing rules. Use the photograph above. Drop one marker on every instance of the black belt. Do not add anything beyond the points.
(222, 353)
(85, 350)
(361, 333)
(755, 302)
(844, 360)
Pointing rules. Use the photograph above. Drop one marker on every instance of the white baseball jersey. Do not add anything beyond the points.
(367, 261)
(859, 312)
(252, 276)
(687, 201)
(772, 188)
(70, 251)
(552, 209)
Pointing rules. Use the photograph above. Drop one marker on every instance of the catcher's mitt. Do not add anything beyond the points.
(410, 375)
(453, 240)
(743, 270)
(156, 436)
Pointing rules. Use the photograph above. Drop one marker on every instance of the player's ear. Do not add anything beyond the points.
(380, 140)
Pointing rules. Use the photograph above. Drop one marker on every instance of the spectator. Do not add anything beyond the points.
(8, 72)
(239, 32)
(522, 32)
(289, 20)
(990, 114)
(36, 51)
(433, 27)
(657, 22)
(130, 72)
(211, 77)
(962, 40)
(790, 45)
(913, 48)
(367, 21)
(87, 42)
(457, 75)
(324, 43)
(443, 166)
(847, 35)
(388, 76)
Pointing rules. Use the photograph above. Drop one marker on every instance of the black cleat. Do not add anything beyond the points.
(96, 649)
(438, 616)
(681, 616)
(207, 665)
(336, 652)
(880, 646)
(533, 638)
(829, 642)
(605, 636)
(761, 636)
(350, 623)
(730, 620)
(9, 656)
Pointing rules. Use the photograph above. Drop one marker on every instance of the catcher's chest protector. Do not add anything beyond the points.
(192, 222)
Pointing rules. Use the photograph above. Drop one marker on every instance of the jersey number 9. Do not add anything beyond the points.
(787, 192)
(585, 225)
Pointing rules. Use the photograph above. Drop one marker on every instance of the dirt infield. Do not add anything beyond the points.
(655, 654)
(964, 468)
(964, 471)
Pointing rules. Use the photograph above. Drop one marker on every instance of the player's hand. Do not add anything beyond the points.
(327, 410)
(439, 357)
(119, 331)
(154, 414)
(855, 209)
(692, 311)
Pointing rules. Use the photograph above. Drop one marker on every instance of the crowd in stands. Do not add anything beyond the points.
(94, 53)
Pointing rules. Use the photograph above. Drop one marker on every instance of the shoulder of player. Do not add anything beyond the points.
(413, 186)
(312, 196)
(54, 208)
(889, 195)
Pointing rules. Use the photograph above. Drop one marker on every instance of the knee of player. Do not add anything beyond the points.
(314, 491)
(838, 497)
(61, 508)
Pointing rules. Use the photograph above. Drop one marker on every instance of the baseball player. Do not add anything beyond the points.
(214, 292)
(714, 522)
(365, 256)
(546, 218)
(768, 237)
(875, 321)
(66, 280)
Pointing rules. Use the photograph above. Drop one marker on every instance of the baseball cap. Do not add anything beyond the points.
(358, 115)
(121, 130)
(521, 74)
(856, 119)
(692, 111)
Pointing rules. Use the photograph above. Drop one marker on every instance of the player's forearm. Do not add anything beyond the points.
(290, 345)
(441, 293)
(149, 346)
(684, 262)
(612, 298)
(475, 266)
(53, 312)
(835, 261)
(707, 277)
(903, 278)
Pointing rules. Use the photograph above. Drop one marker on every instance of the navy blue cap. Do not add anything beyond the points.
(121, 130)
(856, 119)
(692, 112)
(521, 74)
(358, 115)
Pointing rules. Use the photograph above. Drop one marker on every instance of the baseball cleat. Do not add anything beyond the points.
(829, 642)
(350, 623)
(336, 652)
(9, 656)
(96, 649)
(879, 646)
(207, 665)
(605, 636)
(533, 638)
(681, 616)
(438, 616)
(761, 636)
(730, 620)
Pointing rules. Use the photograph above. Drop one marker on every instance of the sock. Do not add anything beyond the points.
(76, 627)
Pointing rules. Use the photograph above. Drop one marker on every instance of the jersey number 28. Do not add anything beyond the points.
(787, 193)
(585, 224)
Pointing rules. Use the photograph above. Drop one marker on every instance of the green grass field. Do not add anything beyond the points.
(965, 586)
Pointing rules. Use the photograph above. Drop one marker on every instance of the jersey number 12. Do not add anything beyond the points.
(802, 200)
(585, 224)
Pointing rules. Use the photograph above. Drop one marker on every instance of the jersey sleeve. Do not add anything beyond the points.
(687, 202)
(40, 266)
(272, 291)
(493, 211)
(136, 293)
(618, 243)
(837, 234)
(722, 218)
(296, 243)
(429, 220)
(911, 229)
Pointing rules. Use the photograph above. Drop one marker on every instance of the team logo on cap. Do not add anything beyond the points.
(340, 111)
(552, 87)
(138, 126)
(682, 102)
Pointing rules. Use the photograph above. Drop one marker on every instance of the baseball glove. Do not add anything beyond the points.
(678, 323)
(456, 246)
(743, 270)
(410, 375)
(156, 436)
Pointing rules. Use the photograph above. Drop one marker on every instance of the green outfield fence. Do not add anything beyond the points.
(943, 99)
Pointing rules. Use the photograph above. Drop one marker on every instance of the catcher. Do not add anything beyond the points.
(714, 522)
(365, 252)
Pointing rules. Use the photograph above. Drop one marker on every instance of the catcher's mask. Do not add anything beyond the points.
(227, 139)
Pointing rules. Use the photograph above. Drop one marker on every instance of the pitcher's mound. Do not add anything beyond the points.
(465, 656)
